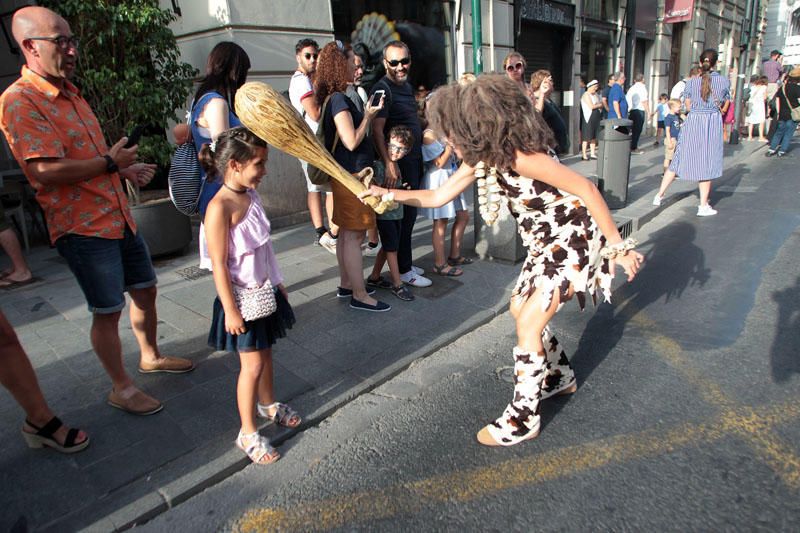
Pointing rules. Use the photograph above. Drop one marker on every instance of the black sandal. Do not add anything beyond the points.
(44, 437)
(458, 261)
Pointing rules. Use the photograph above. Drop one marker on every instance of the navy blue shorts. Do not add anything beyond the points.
(661, 124)
(389, 230)
(106, 268)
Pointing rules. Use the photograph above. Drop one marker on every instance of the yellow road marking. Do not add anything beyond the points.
(769, 447)
(408, 498)
(752, 425)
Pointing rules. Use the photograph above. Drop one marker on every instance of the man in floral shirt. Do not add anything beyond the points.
(57, 140)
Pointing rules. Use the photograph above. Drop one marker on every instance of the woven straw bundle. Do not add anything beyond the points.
(266, 113)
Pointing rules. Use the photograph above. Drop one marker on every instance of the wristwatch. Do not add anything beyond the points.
(111, 166)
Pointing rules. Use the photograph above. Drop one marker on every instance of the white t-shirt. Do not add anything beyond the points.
(677, 90)
(637, 96)
(300, 88)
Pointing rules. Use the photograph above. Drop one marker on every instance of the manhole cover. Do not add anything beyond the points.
(192, 273)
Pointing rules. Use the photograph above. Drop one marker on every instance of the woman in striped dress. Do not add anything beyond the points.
(698, 156)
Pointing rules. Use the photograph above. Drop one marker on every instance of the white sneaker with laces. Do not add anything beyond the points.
(369, 251)
(328, 242)
(657, 200)
(706, 211)
(415, 280)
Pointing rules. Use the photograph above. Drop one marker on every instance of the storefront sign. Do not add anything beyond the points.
(547, 11)
(678, 10)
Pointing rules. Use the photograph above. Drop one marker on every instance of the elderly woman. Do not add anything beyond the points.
(591, 107)
(346, 130)
(573, 243)
(542, 87)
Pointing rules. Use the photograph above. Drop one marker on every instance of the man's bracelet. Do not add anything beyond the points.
(621, 248)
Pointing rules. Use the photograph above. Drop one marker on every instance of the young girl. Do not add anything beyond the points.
(251, 310)
(440, 163)
(572, 240)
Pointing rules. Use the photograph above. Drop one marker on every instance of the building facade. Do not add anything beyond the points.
(783, 30)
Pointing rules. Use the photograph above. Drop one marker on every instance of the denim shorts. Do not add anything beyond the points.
(106, 268)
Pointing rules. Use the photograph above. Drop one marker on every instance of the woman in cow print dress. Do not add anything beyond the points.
(572, 241)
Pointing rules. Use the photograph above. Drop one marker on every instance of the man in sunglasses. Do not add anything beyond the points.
(301, 95)
(400, 109)
(58, 142)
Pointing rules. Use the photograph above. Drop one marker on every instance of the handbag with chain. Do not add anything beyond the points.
(255, 302)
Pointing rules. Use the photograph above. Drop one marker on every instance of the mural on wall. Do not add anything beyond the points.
(425, 43)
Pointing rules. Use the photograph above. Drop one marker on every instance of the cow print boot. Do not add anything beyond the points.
(520, 421)
(559, 376)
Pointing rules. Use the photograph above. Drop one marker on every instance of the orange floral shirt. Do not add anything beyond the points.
(41, 120)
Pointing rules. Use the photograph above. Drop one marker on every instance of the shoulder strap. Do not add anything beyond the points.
(789, 102)
(322, 119)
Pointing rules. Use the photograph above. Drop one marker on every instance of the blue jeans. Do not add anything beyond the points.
(106, 268)
(783, 135)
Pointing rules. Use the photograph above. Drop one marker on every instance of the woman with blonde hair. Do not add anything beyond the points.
(573, 243)
(514, 66)
(542, 87)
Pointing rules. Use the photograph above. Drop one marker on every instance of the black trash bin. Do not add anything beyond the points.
(614, 160)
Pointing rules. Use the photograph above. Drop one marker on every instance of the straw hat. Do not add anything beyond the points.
(795, 72)
(591, 84)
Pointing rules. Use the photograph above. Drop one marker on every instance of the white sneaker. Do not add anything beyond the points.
(657, 200)
(328, 242)
(706, 211)
(417, 270)
(369, 251)
(415, 280)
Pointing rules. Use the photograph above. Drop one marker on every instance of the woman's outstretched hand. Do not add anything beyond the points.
(373, 190)
(631, 262)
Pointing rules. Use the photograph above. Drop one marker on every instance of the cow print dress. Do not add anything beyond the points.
(562, 239)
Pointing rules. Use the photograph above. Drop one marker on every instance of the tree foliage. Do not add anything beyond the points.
(129, 68)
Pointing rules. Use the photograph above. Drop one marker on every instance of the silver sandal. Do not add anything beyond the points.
(283, 414)
(257, 448)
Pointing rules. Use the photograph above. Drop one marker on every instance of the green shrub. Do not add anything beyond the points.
(129, 68)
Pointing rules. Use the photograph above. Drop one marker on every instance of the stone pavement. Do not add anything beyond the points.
(137, 467)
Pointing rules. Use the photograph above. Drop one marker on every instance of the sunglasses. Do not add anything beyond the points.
(61, 41)
(398, 147)
(394, 62)
(309, 56)
(516, 66)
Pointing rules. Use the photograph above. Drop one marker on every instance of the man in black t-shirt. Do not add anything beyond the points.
(787, 97)
(400, 109)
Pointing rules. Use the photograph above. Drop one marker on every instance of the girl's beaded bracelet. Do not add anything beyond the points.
(612, 251)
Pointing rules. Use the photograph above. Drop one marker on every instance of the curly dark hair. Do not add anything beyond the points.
(331, 75)
(489, 120)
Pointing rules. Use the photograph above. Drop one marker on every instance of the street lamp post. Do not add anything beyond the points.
(477, 38)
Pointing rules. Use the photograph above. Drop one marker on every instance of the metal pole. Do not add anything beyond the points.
(477, 37)
(630, 40)
(748, 24)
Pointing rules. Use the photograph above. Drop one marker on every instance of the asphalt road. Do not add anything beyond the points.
(686, 417)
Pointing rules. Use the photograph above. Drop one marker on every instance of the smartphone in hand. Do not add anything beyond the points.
(133, 138)
(376, 97)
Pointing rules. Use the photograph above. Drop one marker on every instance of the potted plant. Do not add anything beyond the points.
(129, 70)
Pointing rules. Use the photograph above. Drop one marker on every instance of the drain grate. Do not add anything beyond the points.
(192, 273)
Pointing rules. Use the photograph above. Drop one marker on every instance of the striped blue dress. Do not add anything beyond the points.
(698, 156)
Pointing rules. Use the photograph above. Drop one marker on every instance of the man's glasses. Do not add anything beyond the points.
(516, 66)
(394, 62)
(61, 41)
(309, 56)
(398, 147)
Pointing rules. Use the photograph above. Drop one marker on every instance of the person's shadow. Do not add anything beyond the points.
(783, 354)
(673, 263)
